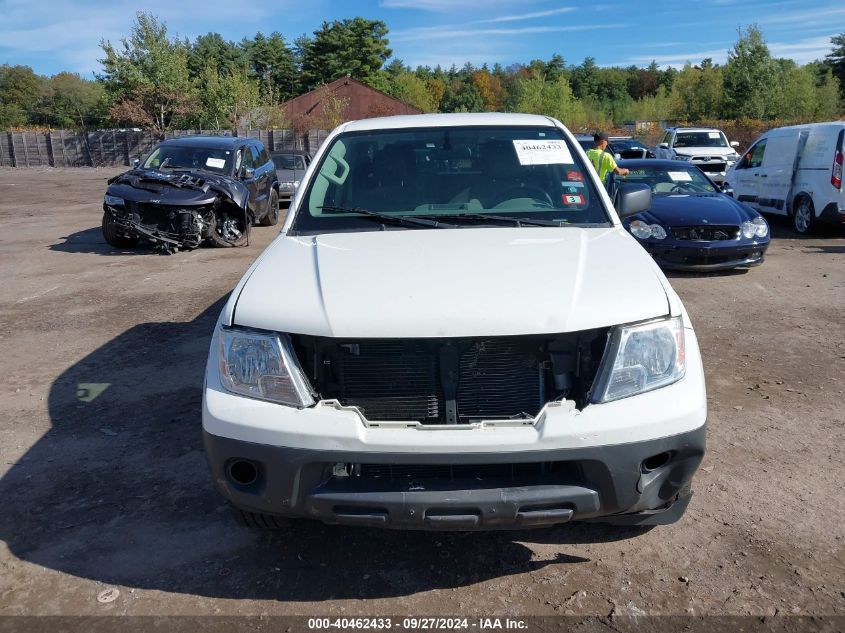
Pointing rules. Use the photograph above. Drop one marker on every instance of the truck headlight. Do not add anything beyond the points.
(262, 366)
(114, 201)
(640, 358)
(761, 229)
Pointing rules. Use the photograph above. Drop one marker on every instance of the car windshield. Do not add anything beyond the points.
(457, 174)
(627, 143)
(700, 139)
(289, 161)
(668, 181)
(218, 161)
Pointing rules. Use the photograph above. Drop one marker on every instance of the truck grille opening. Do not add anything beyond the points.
(452, 381)
(709, 167)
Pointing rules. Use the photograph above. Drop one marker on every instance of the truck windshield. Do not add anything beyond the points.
(700, 139)
(460, 173)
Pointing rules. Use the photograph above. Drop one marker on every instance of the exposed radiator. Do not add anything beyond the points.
(404, 380)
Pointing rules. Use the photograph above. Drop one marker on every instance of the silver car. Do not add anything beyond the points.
(290, 168)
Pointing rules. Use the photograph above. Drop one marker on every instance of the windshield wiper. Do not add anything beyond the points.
(395, 219)
(483, 217)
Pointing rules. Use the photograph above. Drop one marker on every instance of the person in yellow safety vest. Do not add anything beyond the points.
(601, 159)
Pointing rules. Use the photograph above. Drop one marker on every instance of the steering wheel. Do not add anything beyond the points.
(525, 191)
(682, 188)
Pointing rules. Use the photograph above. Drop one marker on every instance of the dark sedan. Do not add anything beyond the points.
(620, 146)
(691, 224)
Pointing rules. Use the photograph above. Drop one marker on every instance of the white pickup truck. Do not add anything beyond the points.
(706, 148)
(454, 331)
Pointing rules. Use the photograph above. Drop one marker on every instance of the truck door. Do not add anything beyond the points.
(777, 170)
(747, 174)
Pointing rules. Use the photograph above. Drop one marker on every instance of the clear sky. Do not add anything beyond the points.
(55, 35)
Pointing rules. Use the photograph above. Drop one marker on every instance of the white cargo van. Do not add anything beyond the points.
(794, 171)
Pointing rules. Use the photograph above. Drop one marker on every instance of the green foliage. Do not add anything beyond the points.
(829, 106)
(73, 101)
(271, 62)
(19, 85)
(152, 80)
(354, 47)
(649, 108)
(584, 79)
(697, 92)
(749, 77)
(797, 94)
(836, 60)
(147, 78)
(461, 96)
(555, 99)
(408, 87)
(211, 49)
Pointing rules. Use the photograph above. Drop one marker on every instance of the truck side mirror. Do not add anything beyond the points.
(248, 173)
(734, 143)
(633, 198)
(136, 163)
(664, 145)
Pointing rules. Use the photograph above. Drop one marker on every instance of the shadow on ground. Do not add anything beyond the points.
(781, 228)
(92, 241)
(118, 491)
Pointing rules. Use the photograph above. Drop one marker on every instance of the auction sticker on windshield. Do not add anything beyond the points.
(542, 153)
(216, 163)
(679, 176)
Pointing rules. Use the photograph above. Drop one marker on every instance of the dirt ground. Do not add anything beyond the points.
(104, 485)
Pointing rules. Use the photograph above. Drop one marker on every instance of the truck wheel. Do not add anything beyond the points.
(272, 216)
(803, 215)
(229, 231)
(115, 235)
(258, 520)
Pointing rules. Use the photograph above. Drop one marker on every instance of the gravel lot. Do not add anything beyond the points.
(103, 480)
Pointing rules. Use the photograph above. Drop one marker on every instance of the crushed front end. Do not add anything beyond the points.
(174, 211)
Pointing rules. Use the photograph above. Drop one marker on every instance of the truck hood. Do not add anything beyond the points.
(451, 283)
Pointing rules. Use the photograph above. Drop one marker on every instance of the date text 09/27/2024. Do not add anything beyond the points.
(421, 623)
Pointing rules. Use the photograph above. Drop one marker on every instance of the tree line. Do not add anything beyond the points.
(152, 80)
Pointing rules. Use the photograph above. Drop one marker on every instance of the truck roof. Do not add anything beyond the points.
(693, 129)
(449, 120)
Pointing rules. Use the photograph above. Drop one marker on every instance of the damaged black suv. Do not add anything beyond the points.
(190, 190)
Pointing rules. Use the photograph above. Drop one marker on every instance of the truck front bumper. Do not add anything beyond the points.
(644, 483)
(628, 461)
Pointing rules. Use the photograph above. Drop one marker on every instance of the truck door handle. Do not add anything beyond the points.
(764, 175)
